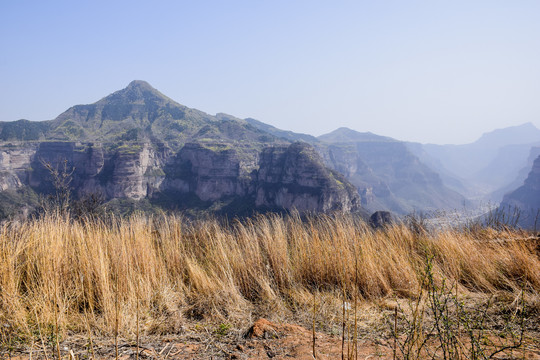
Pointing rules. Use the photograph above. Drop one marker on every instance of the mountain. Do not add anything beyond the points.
(346, 135)
(284, 134)
(137, 147)
(23, 130)
(486, 165)
(387, 173)
(525, 200)
(141, 113)
(519, 179)
(520, 134)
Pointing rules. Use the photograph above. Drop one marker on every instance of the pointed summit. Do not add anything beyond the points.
(139, 84)
(137, 92)
(135, 108)
(140, 113)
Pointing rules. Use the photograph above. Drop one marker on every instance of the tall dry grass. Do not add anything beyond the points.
(157, 272)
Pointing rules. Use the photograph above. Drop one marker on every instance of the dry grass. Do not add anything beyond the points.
(165, 271)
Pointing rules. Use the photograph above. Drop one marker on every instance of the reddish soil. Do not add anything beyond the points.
(264, 340)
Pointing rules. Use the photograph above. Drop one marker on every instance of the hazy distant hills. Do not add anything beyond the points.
(523, 204)
(484, 168)
(346, 135)
(386, 173)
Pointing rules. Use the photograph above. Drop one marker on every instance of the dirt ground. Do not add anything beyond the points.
(264, 340)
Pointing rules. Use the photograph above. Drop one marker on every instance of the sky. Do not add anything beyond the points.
(427, 71)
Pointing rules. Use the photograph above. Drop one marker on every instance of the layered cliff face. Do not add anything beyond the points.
(525, 200)
(295, 177)
(211, 171)
(128, 171)
(277, 178)
(387, 174)
(14, 164)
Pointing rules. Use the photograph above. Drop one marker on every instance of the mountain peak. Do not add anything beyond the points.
(141, 84)
(344, 134)
(137, 92)
(518, 134)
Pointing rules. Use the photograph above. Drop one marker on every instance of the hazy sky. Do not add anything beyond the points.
(429, 71)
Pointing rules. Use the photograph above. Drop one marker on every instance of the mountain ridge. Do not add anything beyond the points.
(477, 165)
(345, 134)
(382, 187)
(388, 173)
(138, 146)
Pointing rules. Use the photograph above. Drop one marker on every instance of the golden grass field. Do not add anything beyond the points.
(161, 275)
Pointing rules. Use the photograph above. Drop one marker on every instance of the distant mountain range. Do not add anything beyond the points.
(386, 173)
(502, 166)
(484, 168)
(139, 149)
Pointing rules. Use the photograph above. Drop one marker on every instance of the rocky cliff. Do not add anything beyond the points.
(525, 199)
(138, 145)
(210, 171)
(14, 165)
(387, 174)
(295, 177)
(206, 175)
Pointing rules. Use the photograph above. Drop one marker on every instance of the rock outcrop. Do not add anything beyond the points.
(525, 201)
(14, 165)
(295, 177)
(381, 219)
(387, 174)
(211, 171)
